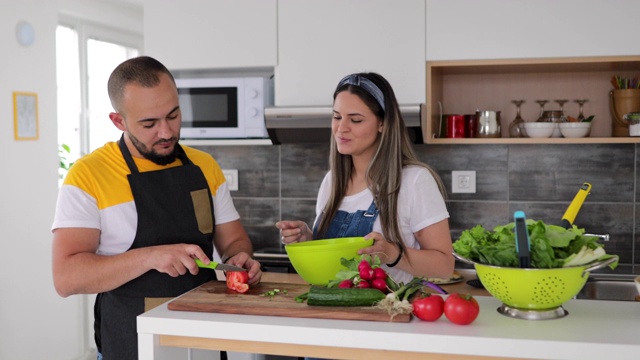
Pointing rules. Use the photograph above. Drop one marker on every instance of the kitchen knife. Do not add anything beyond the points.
(522, 238)
(218, 266)
(572, 211)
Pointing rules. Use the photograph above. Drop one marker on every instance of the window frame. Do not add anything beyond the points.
(87, 30)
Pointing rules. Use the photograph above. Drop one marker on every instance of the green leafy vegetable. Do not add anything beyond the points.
(589, 119)
(552, 246)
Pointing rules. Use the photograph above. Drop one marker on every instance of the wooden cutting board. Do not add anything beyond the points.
(214, 297)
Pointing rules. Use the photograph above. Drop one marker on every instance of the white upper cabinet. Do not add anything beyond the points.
(194, 34)
(498, 29)
(321, 41)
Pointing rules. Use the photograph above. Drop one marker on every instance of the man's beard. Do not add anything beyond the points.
(152, 155)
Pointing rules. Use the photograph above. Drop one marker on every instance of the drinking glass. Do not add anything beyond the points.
(581, 102)
(515, 130)
(541, 103)
(561, 103)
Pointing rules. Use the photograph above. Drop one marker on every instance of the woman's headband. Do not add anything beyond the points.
(366, 84)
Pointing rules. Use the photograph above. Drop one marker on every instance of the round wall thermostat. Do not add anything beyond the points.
(25, 33)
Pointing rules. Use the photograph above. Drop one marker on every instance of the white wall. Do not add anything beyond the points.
(35, 323)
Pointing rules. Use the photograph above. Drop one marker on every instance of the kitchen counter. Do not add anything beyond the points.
(592, 330)
(460, 287)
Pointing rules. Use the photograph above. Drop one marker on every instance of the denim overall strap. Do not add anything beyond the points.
(344, 224)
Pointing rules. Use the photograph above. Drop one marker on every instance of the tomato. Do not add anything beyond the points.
(428, 307)
(237, 280)
(461, 309)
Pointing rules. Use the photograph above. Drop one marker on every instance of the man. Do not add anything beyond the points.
(133, 215)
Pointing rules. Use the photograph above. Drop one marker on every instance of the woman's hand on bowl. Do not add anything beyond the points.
(292, 231)
(387, 252)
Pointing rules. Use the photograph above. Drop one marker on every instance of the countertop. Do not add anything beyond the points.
(592, 330)
(461, 287)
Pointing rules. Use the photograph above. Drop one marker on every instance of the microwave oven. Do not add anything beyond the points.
(224, 107)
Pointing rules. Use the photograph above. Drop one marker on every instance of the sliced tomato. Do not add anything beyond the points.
(238, 281)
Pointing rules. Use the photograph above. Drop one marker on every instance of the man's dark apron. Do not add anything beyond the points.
(173, 206)
(345, 224)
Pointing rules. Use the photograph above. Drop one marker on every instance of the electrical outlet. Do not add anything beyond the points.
(463, 182)
(232, 178)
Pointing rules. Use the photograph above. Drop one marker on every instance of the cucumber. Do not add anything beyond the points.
(324, 296)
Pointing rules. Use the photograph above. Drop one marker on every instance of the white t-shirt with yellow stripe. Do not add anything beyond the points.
(96, 194)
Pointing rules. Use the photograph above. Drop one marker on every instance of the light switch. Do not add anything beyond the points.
(463, 181)
(232, 178)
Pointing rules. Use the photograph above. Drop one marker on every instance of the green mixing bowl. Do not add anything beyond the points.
(534, 289)
(318, 261)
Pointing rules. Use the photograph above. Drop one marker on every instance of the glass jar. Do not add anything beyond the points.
(633, 119)
(554, 116)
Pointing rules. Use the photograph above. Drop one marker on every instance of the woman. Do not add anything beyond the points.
(377, 188)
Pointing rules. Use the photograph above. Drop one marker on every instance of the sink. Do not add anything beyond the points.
(619, 288)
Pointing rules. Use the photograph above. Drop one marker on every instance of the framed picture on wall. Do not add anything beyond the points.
(25, 116)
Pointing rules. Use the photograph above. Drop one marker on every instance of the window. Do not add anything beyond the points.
(86, 55)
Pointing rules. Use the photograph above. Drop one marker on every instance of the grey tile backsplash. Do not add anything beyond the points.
(281, 182)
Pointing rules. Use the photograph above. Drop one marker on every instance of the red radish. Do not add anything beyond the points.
(363, 284)
(363, 263)
(379, 284)
(379, 273)
(367, 274)
(345, 284)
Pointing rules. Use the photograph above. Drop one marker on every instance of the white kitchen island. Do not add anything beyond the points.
(593, 330)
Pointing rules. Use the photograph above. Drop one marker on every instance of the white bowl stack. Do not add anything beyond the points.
(575, 129)
(538, 129)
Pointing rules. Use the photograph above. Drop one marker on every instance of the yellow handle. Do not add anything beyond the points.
(576, 204)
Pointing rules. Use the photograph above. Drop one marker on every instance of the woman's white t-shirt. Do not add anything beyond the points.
(420, 204)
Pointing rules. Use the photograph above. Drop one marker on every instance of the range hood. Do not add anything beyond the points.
(312, 124)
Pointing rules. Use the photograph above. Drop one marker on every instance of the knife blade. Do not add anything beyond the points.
(218, 266)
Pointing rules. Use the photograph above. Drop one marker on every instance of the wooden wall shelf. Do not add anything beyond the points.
(557, 141)
(463, 86)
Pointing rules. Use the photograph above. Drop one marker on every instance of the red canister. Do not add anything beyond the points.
(471, 125)
(455, 126)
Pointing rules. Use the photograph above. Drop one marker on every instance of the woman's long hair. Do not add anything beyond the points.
(384, 174)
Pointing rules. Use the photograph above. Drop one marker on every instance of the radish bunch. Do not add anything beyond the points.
(363, 273)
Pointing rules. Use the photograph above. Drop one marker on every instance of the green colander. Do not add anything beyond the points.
(534, 289)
